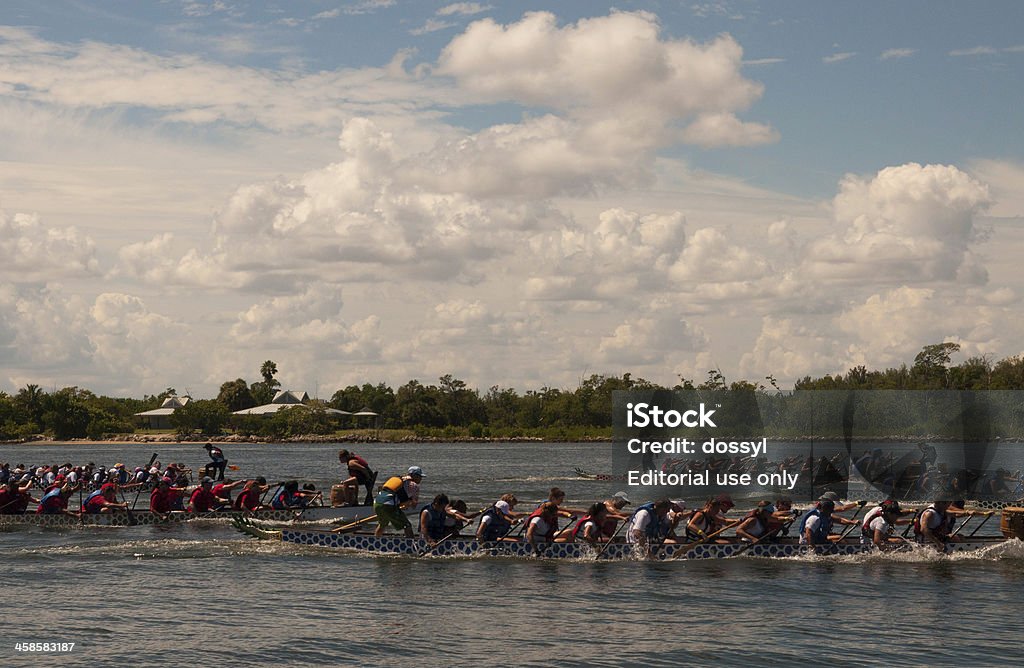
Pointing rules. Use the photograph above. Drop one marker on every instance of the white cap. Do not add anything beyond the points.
(502, 507)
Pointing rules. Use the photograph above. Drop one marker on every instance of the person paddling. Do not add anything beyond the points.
(496, 522)
(710, 518)
(251, 495)
(816, 524)
(757, 522)
(588, 529)
(55, 501)
(932, 526)
(433, 518)
(103, 500)
(542, 524)
(203, 500)
(614, 514)
(650, 523)
(397, 494)
(880, 523)
(165, 498)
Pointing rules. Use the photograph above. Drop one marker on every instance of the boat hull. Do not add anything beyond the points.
(580, 551)
(145, 518)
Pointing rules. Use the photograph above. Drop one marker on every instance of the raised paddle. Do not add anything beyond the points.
(136, 499)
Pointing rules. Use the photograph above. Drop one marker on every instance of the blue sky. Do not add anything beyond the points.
(516, 198)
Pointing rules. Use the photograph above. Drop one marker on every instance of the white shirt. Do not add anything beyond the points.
(594, 527)
(638, 522)
(812, 524)
(540, 528)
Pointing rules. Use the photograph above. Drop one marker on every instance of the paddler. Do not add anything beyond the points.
(433, 520)
(288, 497)
(542, 524)
(497, 521)
(816, 524)
(588, 529)
(457, 517)
(650, 523)
(880, 523)
(103, 500)
(359, 475)
(203, 500)
(710, 518)
(757, 522)
(222, 490)
(395, 495)
(14, 497)
(55, 501)
(165, 498)
(251, 494)
(932, 525)
(614, 513)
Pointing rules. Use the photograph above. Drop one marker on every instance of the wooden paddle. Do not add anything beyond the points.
(353, 525)
(686, 548)
(850, 527)
(136, 499)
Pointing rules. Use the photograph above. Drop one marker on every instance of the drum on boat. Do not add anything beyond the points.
(337, 496)
(1012, 522)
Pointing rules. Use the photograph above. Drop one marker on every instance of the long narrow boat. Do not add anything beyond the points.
(470, 547)
(145, 517)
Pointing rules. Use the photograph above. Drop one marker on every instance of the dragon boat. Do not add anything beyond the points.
(1012, 529)
(145, 517)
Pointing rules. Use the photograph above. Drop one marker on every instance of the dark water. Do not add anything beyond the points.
(199, 593)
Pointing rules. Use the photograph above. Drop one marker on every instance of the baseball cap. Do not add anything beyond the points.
(829, 496)
(724, 500)
(415, 470)
(502, 507)
(622, 495)
(678, 505)
(207, 479)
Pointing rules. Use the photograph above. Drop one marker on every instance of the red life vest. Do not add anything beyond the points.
(160, 502)
(579, 525)
(552, 527)
(247, 500)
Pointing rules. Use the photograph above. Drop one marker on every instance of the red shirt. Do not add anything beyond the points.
(249, 499)
(202, 500)
(161, 501)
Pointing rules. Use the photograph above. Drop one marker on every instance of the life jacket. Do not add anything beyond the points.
(763, 525)
(202, 501)
(498, 526)
(160, 502)
(865, 526)
(6, 502)
(217, 455)
(704, 526)
(657, 527)
(552, 526)
(820, 535)
(51, 502)
(247, 500)
(89, 505)
(435, 522)
(285, 500)
(393, 492)
(940, 531)
(579, 525)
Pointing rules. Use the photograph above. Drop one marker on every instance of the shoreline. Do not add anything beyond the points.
(171, 439)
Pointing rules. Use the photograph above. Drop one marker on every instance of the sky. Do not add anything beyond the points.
(520, 194)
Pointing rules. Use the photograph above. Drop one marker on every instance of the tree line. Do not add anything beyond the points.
(450, 407)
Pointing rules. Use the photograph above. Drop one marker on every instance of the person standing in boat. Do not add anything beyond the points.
(359, 475)
(220, 462)
(397, 494)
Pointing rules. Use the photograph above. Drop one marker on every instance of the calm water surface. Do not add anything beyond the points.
(201, 593)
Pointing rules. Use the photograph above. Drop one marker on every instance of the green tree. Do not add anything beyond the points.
(207, 416)
(235, 395)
